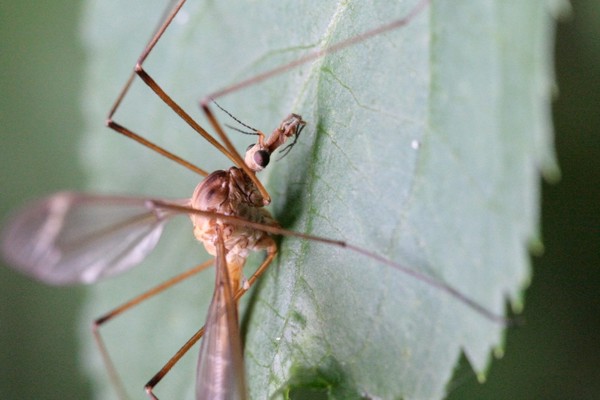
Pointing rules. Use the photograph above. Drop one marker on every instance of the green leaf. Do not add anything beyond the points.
(424, 145)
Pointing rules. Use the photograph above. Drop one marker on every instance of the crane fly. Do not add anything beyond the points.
(51, 239)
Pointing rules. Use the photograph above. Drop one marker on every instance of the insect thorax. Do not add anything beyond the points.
(231, 193)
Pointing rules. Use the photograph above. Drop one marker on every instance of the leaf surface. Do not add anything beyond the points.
(424, 145)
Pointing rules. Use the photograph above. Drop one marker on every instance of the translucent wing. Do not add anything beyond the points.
(220, 364)
(77, 238)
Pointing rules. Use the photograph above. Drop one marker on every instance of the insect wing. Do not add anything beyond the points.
(77, 238)
(220, 363)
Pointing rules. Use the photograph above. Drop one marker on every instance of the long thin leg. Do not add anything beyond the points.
(98, 322)
(275, 230)
(139, 70)
(271, 253)
(127, 132)
(317, 54)
(153, 146)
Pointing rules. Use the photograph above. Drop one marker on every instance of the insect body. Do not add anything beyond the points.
(232, 193)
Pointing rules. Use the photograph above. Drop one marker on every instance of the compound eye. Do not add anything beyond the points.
(262, 158)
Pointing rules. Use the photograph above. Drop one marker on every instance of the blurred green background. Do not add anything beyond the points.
(554, 355)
